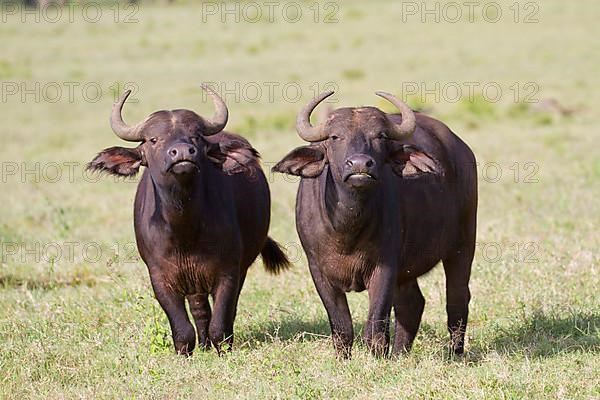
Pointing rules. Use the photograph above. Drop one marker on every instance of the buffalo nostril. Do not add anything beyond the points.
(192, 150)
(369, 163)
(349, 162)
(173, 152)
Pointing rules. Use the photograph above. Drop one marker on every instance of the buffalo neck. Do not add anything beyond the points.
(182, 204)
(349, 210)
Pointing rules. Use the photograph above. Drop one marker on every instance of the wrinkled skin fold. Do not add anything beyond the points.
(379, 206)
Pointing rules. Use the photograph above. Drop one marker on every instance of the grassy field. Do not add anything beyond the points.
(77, 315)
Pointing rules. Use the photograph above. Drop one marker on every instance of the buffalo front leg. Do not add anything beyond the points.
(377, 328)
(225, 298)
(200, 308)
(458, 272)
(184, 336)
(409, 304)
(340, 320)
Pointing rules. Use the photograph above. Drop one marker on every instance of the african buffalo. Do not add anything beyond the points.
(383, 198)
(201, 215)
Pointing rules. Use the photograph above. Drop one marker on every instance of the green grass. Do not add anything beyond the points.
(77, 327)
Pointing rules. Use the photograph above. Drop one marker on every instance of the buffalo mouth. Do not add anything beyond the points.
(360, 179)
(183, 167)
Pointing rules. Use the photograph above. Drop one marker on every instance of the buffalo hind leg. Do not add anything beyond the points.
(340, 320)
(458, 272)
(200, 308)
(184, 335)
(377, 328)
(409, 304)
(220, 328)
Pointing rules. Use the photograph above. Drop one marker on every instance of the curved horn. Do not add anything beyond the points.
(119, 127)
(408, 124)
(305, 129)
(217, 123)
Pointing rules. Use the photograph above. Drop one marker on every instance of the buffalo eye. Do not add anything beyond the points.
(153, 140)
(334, 137)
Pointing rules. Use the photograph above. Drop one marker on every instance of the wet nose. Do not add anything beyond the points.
(360, 162)
(181, 150)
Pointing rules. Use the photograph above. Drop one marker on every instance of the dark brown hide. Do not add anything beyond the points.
(201, 217)
(375, 213)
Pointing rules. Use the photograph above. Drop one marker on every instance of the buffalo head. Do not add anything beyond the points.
(357, 143)
(174, 145)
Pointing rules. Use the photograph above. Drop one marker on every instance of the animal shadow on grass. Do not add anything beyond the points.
(542, 335)
(287, 329)
(538, 335)
(293, 328)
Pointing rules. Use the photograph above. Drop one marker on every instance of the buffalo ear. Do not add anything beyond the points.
(119, 161)
(409, 162)
(233, 156)
(306, 161)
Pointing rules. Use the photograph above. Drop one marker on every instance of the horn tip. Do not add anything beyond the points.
(206, 87)
(323, 96)
(123, 98)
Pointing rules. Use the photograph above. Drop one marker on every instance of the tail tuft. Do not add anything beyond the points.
(274, 258)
